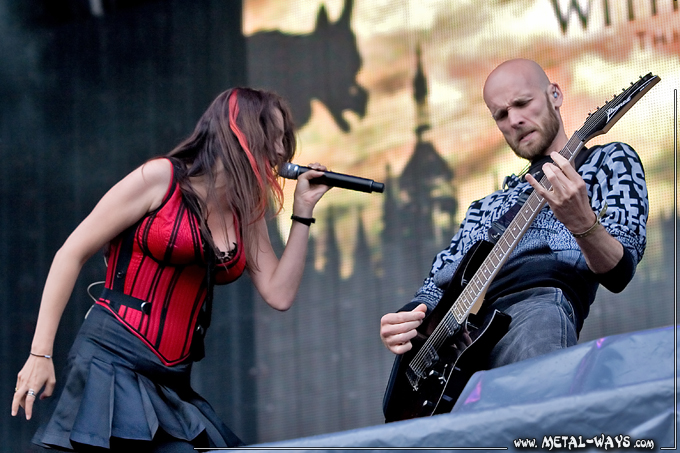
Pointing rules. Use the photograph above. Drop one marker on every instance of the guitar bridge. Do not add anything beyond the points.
(413, 378)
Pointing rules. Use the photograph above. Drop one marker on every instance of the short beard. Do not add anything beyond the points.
(548, 131)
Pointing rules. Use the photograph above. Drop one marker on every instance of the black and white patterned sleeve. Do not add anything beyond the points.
(430, 293)
(615, 174)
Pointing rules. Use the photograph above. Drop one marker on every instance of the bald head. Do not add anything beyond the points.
(521, 72)
(526, 107)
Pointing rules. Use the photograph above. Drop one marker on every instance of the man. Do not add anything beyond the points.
(550, 279)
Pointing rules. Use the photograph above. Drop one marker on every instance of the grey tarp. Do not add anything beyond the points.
(599, 391)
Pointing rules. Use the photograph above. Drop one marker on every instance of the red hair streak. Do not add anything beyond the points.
(233, 113)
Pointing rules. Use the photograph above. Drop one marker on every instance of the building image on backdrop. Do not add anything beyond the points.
(388, 90)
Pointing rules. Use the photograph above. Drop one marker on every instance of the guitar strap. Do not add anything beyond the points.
(536, 170)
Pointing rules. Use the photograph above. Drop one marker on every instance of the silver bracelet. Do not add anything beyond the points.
(41, 355)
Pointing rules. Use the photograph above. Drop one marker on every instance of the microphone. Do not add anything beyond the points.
(292, 171)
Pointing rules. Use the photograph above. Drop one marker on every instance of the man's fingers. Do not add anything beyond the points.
(561, 162)
(465, 335)
(390, 329)
(422, 308)
(397, 329)
(537, 186)
(402, 348)
(417, 314)
(555, 175)
(397, 337)
(566, 168)
(401, 338)
(464, 340)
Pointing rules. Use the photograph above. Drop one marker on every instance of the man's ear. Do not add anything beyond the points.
(555, 95)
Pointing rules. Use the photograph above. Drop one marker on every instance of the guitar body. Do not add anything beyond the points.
(457, 362)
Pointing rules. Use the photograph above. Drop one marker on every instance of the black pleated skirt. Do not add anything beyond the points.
(115, 386)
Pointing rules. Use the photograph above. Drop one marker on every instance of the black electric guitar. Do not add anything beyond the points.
(428, 379)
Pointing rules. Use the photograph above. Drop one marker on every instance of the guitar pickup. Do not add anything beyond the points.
(430, 354)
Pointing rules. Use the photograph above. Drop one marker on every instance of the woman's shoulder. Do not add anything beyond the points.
(157, 176)
(158, 170)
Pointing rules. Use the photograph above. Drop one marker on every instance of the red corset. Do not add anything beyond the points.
(159, 267)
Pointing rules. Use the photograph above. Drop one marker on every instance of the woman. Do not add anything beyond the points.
(174, 227)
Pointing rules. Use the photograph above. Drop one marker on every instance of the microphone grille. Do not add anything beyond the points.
(289, 170)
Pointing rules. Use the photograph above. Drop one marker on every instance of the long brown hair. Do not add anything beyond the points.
(246, 149)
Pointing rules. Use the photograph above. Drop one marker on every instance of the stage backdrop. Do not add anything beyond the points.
(391, 90)
(386, 89)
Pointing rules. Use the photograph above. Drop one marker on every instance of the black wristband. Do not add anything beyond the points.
(303, 220)
(615, 280)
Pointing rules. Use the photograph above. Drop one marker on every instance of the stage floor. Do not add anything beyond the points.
(614, 393)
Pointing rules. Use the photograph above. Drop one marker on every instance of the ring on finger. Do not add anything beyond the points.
(31, 392)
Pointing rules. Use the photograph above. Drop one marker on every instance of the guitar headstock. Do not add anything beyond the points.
(600, 121)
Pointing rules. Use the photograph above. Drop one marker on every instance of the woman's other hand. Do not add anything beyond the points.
(38, 372)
